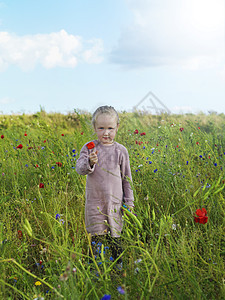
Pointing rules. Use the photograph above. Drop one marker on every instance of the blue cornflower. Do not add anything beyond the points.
(42, 148)
(53, 167)
(57, 216)
(73, 150)
(200, 156)
(215, 164)
(26, 165)
(121, 290)
(155, 170)
(106, 297)
(187, 162)
(150, 162)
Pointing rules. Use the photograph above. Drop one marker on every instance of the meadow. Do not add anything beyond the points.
(174, 243)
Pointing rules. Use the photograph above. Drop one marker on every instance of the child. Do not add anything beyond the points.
(107, 188)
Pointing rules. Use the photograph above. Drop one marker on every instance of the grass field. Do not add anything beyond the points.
(170, 252)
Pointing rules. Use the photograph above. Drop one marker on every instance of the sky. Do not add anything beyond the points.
(59, 55)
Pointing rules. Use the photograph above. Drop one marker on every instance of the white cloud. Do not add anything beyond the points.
(6, 100)
(188, 33)
(57, 49)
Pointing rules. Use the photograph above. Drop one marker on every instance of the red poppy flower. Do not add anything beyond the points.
(201, 216)
(82, 133)
(62, 134)
(44, 141)
(135, 131)
(25, 134)
(181, 129)
(2, 136)
(59, 164)
(90, 145)
(143, 133)
(36, 166)
(197, 143)
(20, 146)
(20, 234)
(30, 148)
(41, 185)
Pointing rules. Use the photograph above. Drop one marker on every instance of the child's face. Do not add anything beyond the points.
(106, 128)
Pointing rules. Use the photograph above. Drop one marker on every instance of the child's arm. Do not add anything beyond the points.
(128, 197)
(85, 163)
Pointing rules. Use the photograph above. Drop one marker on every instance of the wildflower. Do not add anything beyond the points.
(121, 290)
(187, 162)
(181, 129)
(135, 131)
(143, 133)
(155, 170)
(25, 134)
(202, 218)
(59, 164)
(2, 136)
(20, 234)
(90, 145)
(20, 146)
(62, 134)
(30, 148)
(57, 216)
(106, 297)
(37, 283)
(41, 185)
(197, 143)
(215, 164)
(44, 141)
(82, 133)
(36, 166)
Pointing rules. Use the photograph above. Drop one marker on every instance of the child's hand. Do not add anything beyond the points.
(93, 158)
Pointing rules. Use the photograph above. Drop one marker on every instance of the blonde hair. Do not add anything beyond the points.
(104, 110)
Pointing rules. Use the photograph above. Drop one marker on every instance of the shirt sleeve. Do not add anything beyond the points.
(128, 197)
(83, 166)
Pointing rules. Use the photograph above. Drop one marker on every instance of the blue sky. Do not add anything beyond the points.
(66, 55)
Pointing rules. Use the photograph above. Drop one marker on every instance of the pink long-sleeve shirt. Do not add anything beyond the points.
(107, 187)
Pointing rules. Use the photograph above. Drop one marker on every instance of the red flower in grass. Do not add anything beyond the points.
(143, 133)
(2, 136)
(20, 146)
(62, 134)
(41, 185)
(59, 164)
(25, 134)
(181, 129)
(90, 145)
(135, 131)
(20, 234)
(201, 216)
(197, 143)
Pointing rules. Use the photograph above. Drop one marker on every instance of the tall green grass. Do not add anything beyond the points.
(177, 167)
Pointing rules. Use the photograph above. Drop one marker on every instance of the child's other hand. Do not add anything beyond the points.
(93, 158)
